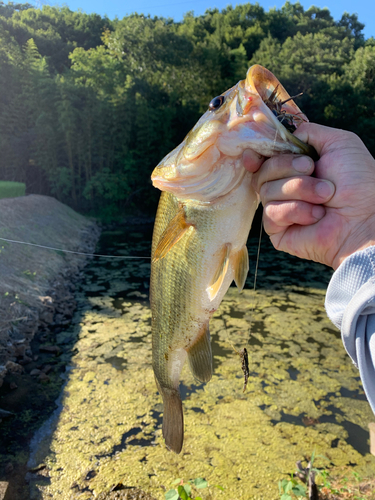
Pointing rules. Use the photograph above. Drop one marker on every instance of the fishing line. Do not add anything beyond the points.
(243, 354)
(76, 253)
(258, 253)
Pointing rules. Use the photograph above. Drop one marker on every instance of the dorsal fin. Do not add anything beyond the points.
(221, 271)
(241, 267)
(172, 234)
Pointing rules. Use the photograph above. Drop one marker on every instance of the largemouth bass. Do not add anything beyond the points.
(202, 224)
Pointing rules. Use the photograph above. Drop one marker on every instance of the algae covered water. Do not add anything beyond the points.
(303, 393)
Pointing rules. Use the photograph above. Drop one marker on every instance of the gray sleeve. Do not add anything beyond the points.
(350, 304)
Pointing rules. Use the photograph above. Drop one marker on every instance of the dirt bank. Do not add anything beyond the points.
(36, 285)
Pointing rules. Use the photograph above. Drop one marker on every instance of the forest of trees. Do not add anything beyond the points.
(89, 106)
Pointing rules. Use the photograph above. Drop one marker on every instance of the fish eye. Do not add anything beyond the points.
(216, 103)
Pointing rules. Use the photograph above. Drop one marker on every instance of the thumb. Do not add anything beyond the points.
(324, 139)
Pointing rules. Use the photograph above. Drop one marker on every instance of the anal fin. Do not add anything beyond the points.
(175, 230)
(241, 267)
(218, 279)
(200, 357)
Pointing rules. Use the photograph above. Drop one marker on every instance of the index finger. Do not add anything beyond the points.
(281, 167)
(252, 160)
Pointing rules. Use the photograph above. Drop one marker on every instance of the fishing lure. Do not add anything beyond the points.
(244, 365)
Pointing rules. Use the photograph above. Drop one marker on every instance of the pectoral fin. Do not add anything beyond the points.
(241, 267)
(172, 234)
(218, 279)
(200, 357)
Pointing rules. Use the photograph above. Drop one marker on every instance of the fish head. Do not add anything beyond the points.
(255, 115)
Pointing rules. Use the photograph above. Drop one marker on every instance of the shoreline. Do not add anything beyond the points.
(39, 347)
(37, 303)
(37, 286)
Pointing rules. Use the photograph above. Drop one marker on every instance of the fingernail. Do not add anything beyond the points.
(325, 189)
(302, 164)
(318, 212)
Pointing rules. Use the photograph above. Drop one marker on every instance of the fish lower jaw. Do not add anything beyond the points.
(210, 188)
(166, 185)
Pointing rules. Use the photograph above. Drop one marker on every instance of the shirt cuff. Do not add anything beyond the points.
(347, 280)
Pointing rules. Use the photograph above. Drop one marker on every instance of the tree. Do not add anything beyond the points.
(89, 106)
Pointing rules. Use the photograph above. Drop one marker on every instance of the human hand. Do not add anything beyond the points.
(327, 217)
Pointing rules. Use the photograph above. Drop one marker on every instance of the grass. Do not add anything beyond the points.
(183, 491)
(348, 486)
(10, 189)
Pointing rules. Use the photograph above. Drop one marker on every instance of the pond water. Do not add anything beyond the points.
(303, 393)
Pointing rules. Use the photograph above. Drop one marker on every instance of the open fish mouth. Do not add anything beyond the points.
(281, 104)
(256, 114)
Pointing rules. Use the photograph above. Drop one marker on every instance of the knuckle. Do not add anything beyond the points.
(263, 190)
(255, 182)
(274, 161)
(350, 135)
(295, 207)
(270, 227)
(275, 212)
(295, 183)
(268, 211)
(293, 186)
(276, 241)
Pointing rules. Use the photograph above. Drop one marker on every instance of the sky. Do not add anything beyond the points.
(176, 9)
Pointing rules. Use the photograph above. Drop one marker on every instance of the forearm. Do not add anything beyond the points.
(350, 304)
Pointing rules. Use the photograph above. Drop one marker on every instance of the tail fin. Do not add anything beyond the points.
(173, 419)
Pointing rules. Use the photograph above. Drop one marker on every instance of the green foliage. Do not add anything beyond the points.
(184, 491)
(290, 489)
(353, 486)
(29, 274)
(10, 189)
(89, 106)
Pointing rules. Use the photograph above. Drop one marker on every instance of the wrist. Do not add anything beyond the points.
(344, 255)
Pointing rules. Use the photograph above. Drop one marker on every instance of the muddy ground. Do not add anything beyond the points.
(36, 302)
(36, 282)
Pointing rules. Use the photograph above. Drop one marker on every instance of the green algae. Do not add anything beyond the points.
(303, 394)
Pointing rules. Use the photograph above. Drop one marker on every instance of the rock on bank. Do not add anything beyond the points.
(35, 283)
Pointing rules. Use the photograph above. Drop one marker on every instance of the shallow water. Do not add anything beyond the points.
(303, 393)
